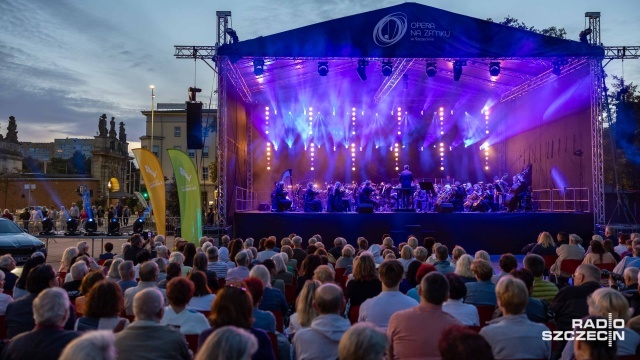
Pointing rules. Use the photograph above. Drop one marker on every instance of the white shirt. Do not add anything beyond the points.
(201, 303)
(378, 309)
(189, 321)
(466, 313)
(620, 249)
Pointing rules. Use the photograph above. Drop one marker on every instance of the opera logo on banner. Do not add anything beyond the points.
(390, 29)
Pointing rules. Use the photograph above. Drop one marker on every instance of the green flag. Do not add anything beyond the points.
(188, 186)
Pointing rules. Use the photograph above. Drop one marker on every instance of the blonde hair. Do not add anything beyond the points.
(68, 255)
(304, 303)
(545, 239)
(481, 254)
(324, 274)
(348, 251)
(406, 253)
(512, 295)
(390, 256)
(413, 242)
(364, 267)
(457, 252)
(607, 300)
(421, 254)
(463, 266)
(228, 342)
(387, 242)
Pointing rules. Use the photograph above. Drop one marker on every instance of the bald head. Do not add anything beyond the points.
(148, 304)
(149, 271)
(328, 299)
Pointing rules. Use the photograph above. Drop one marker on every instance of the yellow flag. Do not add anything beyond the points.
(154, 180)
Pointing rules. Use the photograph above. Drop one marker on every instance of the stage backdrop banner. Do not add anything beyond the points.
(154, 180)
(188, 186)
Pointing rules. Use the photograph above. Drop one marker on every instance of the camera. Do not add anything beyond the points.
(614, 276)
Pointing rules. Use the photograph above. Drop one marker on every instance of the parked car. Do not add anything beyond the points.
(15, 241)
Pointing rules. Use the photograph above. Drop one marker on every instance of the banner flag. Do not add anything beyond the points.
(154, 181)
(188, 185)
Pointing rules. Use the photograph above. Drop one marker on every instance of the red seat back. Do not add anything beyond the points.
(290, 294)
(192, 342)
(222, 282)
(279, 320)
(274, 343)
(354, 312)
(569, 265)
(3, 328)
(340, 278)
(549, 260)
(607, 266)
(485, 312)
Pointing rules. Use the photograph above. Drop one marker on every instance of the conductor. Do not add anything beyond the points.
(406, 179)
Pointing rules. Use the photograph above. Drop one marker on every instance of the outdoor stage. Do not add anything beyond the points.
(496, 233)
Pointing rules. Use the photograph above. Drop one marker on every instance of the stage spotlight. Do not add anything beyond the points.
(72, 226)
(432, 69)
(494, 68)
(557, 68)
(47, 226)
(323, 68)
(457, 69)
(114, 227)
(258, 67)
(138, 226)
(362, 69)
(234, 36)
(583, 35)
(387, 68)
(90, 226)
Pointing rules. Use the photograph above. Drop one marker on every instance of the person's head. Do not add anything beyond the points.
(68, 255)
(457, 252)
(463, 266)
(434, 288)
(406, 167)
(364, 267)
(586, 273)
(179, 292)
(242, 259)
(482, 270)
(363, 244)
(51, 307)
(279, 262)
(324, 274)
(232, 306)
(270, 244)
(391, 272)
(630, 275)
(200, 261)
(635, 249)
(509, 262)
(574, 239)
(309, 265)
(328, 299)
(136, 240)
(79, 270)
(199, 280)
(545, 239)
(262, 273)
(7, 262)
(363, 341)
(457, 287)
(159, 239)
(481, 254)
(593, 347)
(40, 278)
(423, 270)
(108, 247)
(406, 253)
(89, 280)
(173, 270)
(95, 345)
(608, 246)
(526, 276)
(149, 271)
(127, 270)
(348, 251)
(162, 252)
(228, 342)
(304, 303)
(114, 273)
(412, 242)
(255, 288)
(512, 295)
(125, 247)
(534, 263)
(83, 248)
(461, 343)
(285, 242)
(148, 305)
(288, 251)
(104, 300)
(605, 301)
(176, 257)
(442, 253)
(297, 242)
(28, 265)
(421, 254)
(387, 242)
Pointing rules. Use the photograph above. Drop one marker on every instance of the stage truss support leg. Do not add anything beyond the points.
(222, 144)
(249, 156)
(597, 159)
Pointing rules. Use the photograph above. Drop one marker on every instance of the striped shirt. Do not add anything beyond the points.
(220, 267)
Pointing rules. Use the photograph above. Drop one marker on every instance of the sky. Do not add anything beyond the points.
(64, 63)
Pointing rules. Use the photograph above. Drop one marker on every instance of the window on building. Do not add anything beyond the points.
(192, 153)
(205, 173)
(156, 150)
(178, 147)
(177, 131)
(205, 151)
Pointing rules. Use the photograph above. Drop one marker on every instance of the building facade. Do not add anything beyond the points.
(37, 151)
(64, 148)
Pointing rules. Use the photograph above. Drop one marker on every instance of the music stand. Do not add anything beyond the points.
(427, 186)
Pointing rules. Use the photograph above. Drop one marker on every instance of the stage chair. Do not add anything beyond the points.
(340, 278)
(568, 266)
(290, 293)
(354, 312)
(274, 343)
(279, 320)
(3, 328)
(485, 312)
(608, 266)
(549, 260)
(192, 342)
(222, 282)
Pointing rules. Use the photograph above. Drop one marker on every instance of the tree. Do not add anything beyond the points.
(213, 171)
(550, 31)
(32, 165)
(173, 202)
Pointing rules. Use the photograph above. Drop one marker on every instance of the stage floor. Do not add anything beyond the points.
(496, 233)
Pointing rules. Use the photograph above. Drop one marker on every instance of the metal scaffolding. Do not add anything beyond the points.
(597, 159)
(222, 147)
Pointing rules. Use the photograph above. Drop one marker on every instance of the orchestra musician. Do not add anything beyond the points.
(420, 200)
(406, 182)
(279, 200)
(500, 191)
(366, 195)
(311, 204)
(459, 194)
(340, 203)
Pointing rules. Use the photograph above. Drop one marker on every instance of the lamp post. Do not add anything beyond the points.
(153, 98)
(108, 193)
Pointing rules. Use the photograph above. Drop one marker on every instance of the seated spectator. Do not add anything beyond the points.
(78, 272)
(365, 283)
(173, 270)
(19, 316)
(200, 264)
(298, 252)
(592, 347)
(178, 258)
(542, 289)
(229, 342)
(536, 310)
(215, 264)
(51, 311)
(280, 270)
(544, 245)
(241, 271)
(107, 254)
(387, 243)
(408, 338)
(287, 254)
(571, 301)
(630, 261)
(338, 245)
(363, 245)
(483, 291)
(268, 252)
(456, 253)
(442, 264)
(233, 307)
(263, 320)
(622, 243)
(481, 254)
(629, 251)
(189, 253)
(467, 314)
(608, 248)
(461, 343)
(406, 257)
(423, 270)
(202, 296)
(127, 273)
(272, 299)
(85, 286)
(607, 302)
(162, 253)
(409, 280)
(507, 263)
(326, 330)
(375, 252)
(421, 254)
(346, 260)
(309, 265)
(271, 266)
(432, 255)
(20, 288)
(324, 274)
(113, 274)
(103, 305)
(598, 255)
(146, 337)
(179, 293)
(68, 255)
(305, 312)
(94, 345)
(7, 265)
(572, 251)
(363, 341)
(463, 268)
(4, 298)
(378, 309)
(148, 279)
(513, 336)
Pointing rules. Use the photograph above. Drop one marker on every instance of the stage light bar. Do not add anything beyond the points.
(432, 69)
(258, 67)
(494, 68)
(323, 68)
(362, 69)
(457, 69)
(387, 68)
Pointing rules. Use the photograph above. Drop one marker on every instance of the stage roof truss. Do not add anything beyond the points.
(238, 81)
(400, 67)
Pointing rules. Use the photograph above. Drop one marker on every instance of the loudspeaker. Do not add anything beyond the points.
(445, 208)
(365, 209)
(194, 125)
(264, 207)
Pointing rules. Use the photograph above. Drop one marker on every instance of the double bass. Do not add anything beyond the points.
(518, 187)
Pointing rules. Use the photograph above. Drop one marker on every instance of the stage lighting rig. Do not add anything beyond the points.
(90, 227)
(138, 226)
(432, 69)
(557, 66)
(72, 227)
(387, 68)
(323, 68)
(362, 69)
(494, 68)
(234, 36)
(457, 69)
(583, 35)
(113, 229)
(47, 227)
(258, 67)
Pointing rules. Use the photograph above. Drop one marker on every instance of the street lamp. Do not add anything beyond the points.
(153, 98)
(108, 193)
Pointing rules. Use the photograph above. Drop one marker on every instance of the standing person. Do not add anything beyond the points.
(63, 216)
(126, 213)
(25, 216)
(406, 181)
(119, 212)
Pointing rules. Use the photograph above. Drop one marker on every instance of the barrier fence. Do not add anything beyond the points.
(562, 200)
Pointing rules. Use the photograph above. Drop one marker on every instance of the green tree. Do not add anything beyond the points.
(173, 202)
(550, 31)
